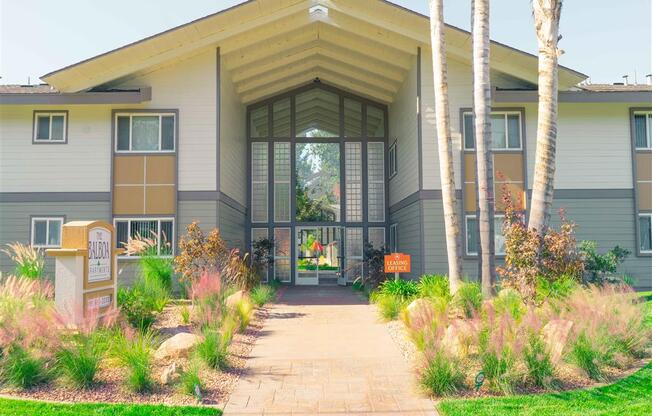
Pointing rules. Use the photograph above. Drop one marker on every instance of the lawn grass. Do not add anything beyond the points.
(11, 407)
(630, 396)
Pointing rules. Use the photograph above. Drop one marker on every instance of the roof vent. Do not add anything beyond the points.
(318, 10)
(649, 79)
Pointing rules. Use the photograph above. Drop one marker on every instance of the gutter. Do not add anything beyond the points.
(90, 97)
(532, 96)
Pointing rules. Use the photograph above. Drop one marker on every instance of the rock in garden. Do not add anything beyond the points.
(233, 300)
(555, 335)
(417, 308)
(177, 346)
(170, 373)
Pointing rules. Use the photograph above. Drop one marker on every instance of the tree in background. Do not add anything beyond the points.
(484, 162)
(445, 145)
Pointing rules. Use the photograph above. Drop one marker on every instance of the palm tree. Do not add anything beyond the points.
(447, 173)
(546, 22)
(482, 116)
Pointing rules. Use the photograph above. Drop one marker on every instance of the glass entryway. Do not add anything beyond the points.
(317, 182)
(319, 255)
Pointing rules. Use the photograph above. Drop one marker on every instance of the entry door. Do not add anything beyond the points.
(307, 270)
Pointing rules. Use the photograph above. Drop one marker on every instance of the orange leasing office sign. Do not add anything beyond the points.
(397, 263)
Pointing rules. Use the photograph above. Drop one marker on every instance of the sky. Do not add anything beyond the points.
(601, 38)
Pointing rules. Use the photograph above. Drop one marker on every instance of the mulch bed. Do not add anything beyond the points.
(110, 387)
(568, 377)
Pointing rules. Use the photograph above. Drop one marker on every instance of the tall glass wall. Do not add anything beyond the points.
(317, 172)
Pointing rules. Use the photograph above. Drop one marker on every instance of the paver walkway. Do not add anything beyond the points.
(323, 351)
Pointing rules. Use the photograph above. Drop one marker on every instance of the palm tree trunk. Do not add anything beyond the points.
(484, 172)
(546, 20)
(444, 140)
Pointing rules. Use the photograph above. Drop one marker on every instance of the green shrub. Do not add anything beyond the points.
(185, 315)
(601, 268)
(244, 309)
(557, 289)
(80, 359)
(262, 294)
(403, 289)
(189, 381)
(434, 286)
(389, 306)
(29, 261)
(509, 301)
(468, 298)
(537, 360)
(143, 301)
(21, 369)
(158, 268)
(133, 350)
(213, 350)
(442, 375)
(585, 354)
(498, 368)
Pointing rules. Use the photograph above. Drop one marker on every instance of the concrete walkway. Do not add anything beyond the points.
(323, 351)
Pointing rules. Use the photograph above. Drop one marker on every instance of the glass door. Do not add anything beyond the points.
(319, 255)
(307, 256)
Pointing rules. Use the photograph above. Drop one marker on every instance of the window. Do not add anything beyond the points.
(353, 172)
(376, 181)
(46, 231)
(391, 155)
(377, 238)
(645, 232)
(258, 234)
(473, 239)
(354, 253)
(393, 238)
(50, 127)
(375, 121)
(505, 131)
(161, 228)
(643, 130)
(259, 174)
(145, 132)
(282, 252)
(282, 174)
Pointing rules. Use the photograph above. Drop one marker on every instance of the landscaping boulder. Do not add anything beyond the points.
(418, 307)
(555, 335)
(170, 374)
(177, 346)
(235, 298)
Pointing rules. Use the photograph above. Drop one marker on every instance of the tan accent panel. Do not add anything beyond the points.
(128, 200)
(644, 166)
(508, 167)
(516, 191)
(160, 200)
(128, 170)
(470, 204)
(645, 196)
(160, 169)
(469, 167)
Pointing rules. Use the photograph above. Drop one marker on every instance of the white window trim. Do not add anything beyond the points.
(392, 151)
(288, 182)
(644, 214)
(264, 182)
(504, 114)
(381, 181)
(466, 237)
(160, 131)
(47, 231)
(158, 219)
(648, 130)
(51, 114)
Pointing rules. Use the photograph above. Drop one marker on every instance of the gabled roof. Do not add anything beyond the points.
(270, 45)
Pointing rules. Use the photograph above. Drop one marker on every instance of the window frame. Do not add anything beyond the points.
(160, 113)
(392, 160)
(638, 227)
(48, 218)
(466, 235)
(393, 238)
(50, 113)
(648, 129)
(505, 114)
(172, 240)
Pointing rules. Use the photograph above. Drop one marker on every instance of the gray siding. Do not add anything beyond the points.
(409, 235)
(204, 212)
(15, 222)
(609, 222)
(232, 225)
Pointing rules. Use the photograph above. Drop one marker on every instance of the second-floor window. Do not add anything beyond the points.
(145, 132)
(505, 131)
(643, 130)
